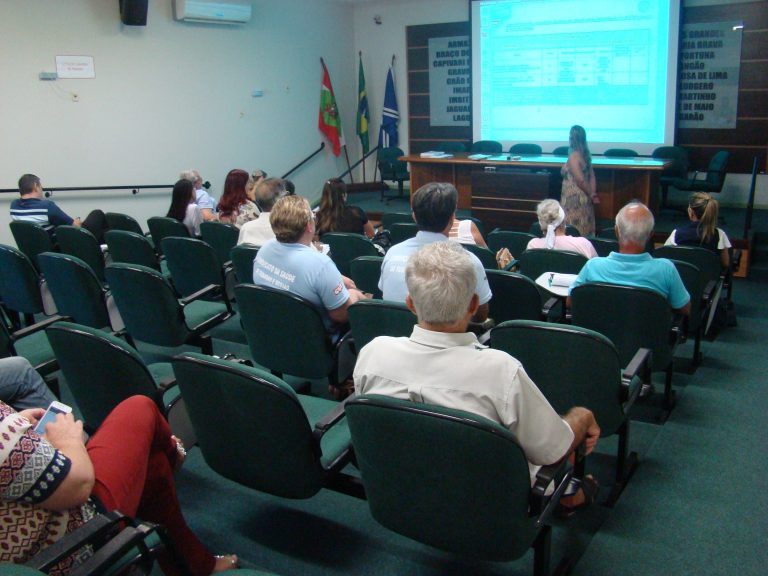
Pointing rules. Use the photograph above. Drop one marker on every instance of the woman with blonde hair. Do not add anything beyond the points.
(552, 219)
(702, 228)
(579, 191)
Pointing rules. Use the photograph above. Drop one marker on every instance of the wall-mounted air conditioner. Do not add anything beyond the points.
(215, 11)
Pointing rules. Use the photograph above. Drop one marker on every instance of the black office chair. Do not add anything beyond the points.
(713, 180)
(391, 168)
(486, 147)
(561, 151)
(620, 153)
(525, 149)
(677, 171)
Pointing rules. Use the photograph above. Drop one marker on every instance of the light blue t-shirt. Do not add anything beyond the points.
(641, 270)
(392, 281)
(204, 200)
(304, 271)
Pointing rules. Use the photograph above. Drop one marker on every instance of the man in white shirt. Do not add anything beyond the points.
(443, 364)
(258, 232)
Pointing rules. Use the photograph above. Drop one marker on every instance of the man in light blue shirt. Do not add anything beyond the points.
(632, 265)
(204, 201)
(434, 207)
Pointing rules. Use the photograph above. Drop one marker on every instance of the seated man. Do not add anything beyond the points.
(21, 386)
(632, 265)
(290, 262)
(32, 207)
(434, 206)
(203, 199)
(443, 364)
(258, 232)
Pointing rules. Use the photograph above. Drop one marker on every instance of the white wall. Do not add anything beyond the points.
(166, 97)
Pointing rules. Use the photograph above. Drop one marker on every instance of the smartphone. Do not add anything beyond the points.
(50, 415)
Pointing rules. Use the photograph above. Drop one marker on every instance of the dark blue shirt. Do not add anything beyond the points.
(45, 213)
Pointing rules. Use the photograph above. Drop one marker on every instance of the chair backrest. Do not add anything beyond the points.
(694, 281)
(570, 230)
(620, 153)
(486, 147)
(242, 257)
(371, 318)
(705, 260)
(101, 370)
(515, 242)
(400, 231)
(345, 247)
(272, 319)
(258, 435)
(629, 317)
(487, 258)
(390, 167)
(553, 355)
(604, 246)
(118, 221)
(131, 248)
(451, 147)
(147, 304)
(389, 218)
(679, 158)
(19, 282)
(76, 290)
(365, 271)
(533, 263)
(221, 237)
(161, 227)
(515, 296)
(526, 149)
(561, 151)
(77, 241)
(716, 171)
(459, 483)
(193, 264)
(31, 239)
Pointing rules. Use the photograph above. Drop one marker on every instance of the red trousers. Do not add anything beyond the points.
(133, 457)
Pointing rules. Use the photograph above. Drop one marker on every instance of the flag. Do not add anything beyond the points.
(390, 115)
(362, 109)
(328, 120)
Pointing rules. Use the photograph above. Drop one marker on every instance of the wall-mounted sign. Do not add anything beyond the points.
(75, 67)
(449, 87)
(710, 56)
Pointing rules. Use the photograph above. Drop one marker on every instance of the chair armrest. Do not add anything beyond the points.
(481, 327)
(640, 365)
(709, 290)
(513, 264)
(679, 323)
(42, 325)
(693, 178)
(330, 419)
(548, 305)
(115, 550)
(89, 532)
(208, 290)
(559, 473)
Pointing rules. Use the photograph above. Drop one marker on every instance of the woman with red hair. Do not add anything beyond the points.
(236, 205)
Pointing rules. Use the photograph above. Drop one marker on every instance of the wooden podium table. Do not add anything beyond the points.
(518, 185)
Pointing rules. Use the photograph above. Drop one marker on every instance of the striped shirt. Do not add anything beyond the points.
(39, 211)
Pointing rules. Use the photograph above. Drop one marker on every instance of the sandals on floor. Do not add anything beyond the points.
(589, 487)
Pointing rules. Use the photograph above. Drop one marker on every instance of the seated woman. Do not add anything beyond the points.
(334, 215)
(236, 205)
(54, 483)
(466, 232)
(184, 208)
(702, 229)
(552, 219)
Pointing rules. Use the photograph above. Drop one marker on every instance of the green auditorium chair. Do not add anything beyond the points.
(221, 237)
(345, 247)
(588, 373)
(561, 151)
(678, 170)
(242, 257)
(486, 257)
(401, 231)
(161, 227)
(570, 230)
(702, 292)
(390, 168)
(620, 153)
(194, 265)
(102, 370)
(31, 343)
(631, 318)
(525, 149)
(118, 221)
(534, 262)
(486, 147)
(365, 272)
(389, 218)
(262, 434)
(77, 291)
(152, 312)
(131, 248)
(31, 239)
(79, 242)
(23, 289)
(460, 482)
(515, 242)
(515, 297)
(371, 318)
(604, 246)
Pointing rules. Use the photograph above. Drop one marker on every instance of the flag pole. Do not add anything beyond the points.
(349, 167)
(360, 55)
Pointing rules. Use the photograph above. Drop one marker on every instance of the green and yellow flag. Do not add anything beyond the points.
(362, 109)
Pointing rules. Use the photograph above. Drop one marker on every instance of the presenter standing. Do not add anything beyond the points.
(579, 192)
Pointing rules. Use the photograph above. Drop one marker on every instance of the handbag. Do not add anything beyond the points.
(382, 240)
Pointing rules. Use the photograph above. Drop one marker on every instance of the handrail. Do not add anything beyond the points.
(307, 159)
(356, 164)
(49, 190)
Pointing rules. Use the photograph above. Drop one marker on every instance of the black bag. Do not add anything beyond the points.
(383, 241)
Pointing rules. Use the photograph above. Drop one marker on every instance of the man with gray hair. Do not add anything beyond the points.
(443, 364)
(258, 232)
(632, 265)
(203, 199)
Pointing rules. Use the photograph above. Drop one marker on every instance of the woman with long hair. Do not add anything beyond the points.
(334, 215)
(702, 229)
(183, 207)
(236, 205)
(579, 191)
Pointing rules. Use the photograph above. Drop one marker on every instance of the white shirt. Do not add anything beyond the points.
(461, 232)
(722, 243)
(456, 371)
(257, 232)
(192, 219)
